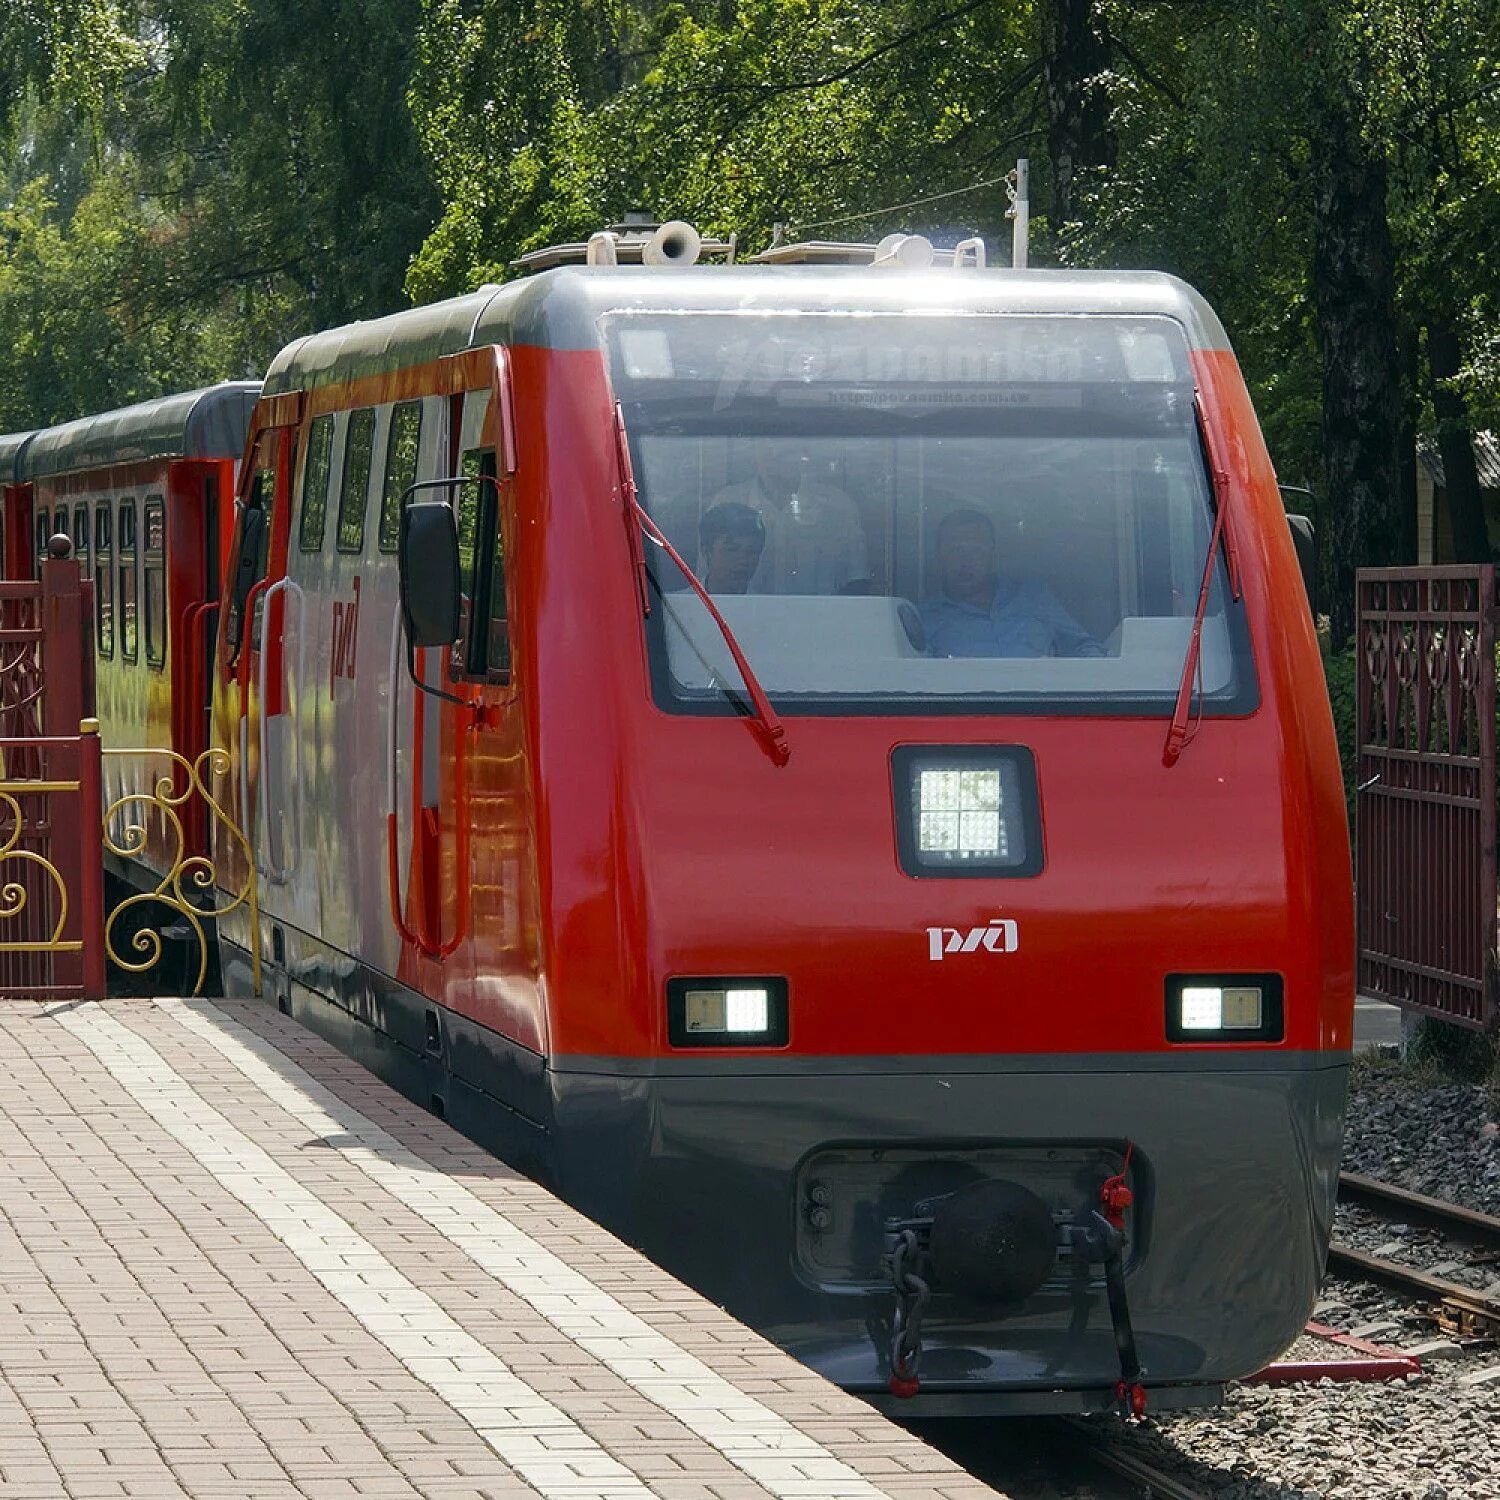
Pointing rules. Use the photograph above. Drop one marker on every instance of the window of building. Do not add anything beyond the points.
(154, 582)
(401, 448)
(129, 641)
(315, 483)
(359, 449)
(104, 579)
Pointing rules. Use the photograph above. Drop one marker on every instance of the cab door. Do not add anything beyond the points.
(250, 677)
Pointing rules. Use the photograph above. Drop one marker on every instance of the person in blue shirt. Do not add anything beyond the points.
(978, 613)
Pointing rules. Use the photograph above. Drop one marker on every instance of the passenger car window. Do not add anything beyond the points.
(81, 535)
(354, 490)
(315, 483)
(129, 644)
(401, 448)
(104, 580)
(154, 583)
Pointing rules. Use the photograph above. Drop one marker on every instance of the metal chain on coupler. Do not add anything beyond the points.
(912, 1297)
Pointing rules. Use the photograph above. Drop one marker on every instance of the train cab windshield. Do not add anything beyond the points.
(965, 510)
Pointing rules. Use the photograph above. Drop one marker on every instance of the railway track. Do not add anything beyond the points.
(1141, 1476)
(1463, 1309)
(1047, 1456)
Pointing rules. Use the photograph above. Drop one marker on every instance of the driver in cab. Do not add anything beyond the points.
(979, 613)
(814, 542)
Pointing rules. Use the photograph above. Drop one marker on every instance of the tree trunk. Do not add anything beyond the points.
(1471, 540)
(1409, 351)
(1354, 298)
(1076, 57)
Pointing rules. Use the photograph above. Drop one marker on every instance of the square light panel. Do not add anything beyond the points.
(968, 811)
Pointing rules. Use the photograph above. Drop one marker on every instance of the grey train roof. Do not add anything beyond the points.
(210, 423)
(560, 309)
(12, 447)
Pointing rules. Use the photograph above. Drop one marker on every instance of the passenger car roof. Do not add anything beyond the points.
(561, 309)
(211, 423)
(12, 447)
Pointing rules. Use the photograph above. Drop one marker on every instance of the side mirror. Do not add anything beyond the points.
(1305, 540)
(430, 585)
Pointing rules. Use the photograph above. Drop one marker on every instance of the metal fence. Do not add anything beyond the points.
(51, 875)
(1425, 803)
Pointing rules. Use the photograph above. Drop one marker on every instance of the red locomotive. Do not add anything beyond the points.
(828, 766)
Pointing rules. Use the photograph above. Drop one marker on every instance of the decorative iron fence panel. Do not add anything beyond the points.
(1425, 801)
(51, 856)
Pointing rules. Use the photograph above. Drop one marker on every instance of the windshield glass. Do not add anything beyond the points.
(1010, 509)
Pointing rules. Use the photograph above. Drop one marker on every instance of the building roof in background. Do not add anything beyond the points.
(210, 423)
(1486, 459)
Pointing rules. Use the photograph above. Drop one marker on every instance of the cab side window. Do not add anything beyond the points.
(354, 489)
(104, 579)
(401, 450)
(154, 583)
(254, 551)
(315, 484)
(481, 550)
(129, 641)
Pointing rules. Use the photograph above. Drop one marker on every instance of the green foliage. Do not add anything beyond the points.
(1454, 1051)
(277, 165)
(1342, 674)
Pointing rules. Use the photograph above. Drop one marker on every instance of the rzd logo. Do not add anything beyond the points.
(1001, 936)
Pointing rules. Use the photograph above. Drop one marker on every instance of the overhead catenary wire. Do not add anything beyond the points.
(875, 213)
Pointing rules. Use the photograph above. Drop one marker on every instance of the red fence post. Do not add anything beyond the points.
(91, 866)
(62, 706)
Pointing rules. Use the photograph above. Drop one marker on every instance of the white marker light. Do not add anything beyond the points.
(1220, 1008)
(748, 1010)
(1202, 1008)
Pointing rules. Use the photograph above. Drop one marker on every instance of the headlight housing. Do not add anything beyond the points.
(1225, 1008)
(966, 810)
(727, 1012)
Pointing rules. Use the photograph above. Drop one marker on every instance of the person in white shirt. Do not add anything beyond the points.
(815, 543)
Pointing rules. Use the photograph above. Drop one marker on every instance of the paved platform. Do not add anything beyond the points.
(1376, 1024)
(232, 1263)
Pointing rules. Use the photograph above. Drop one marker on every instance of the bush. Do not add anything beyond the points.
(1455, 1051)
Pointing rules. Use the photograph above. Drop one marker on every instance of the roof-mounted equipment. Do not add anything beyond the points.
(899, 251)
(637, 241)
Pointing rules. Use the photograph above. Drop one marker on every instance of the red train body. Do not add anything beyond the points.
(936, 975)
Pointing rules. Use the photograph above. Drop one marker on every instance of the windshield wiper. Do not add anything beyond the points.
(772, 734)
(1177, 731)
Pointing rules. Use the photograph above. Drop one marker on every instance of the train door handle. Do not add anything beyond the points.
(431, 945)
(275, 870)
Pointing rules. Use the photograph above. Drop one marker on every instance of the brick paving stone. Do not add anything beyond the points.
(234, 1263)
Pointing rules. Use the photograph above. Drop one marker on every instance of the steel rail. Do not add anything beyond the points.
(1131, 1466)
(1472, 1310)
(1451, 1218)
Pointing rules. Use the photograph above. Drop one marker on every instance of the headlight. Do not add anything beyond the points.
(727, 1012)
(1224, 1008)
(967, 810)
